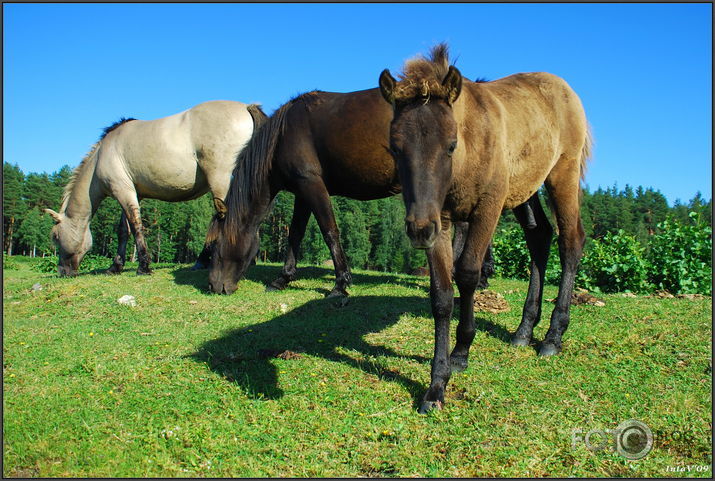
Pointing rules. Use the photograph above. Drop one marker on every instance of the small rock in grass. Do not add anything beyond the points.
(127, 300)
(36, 287)
(284, 308)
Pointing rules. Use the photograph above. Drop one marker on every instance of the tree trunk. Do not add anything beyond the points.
(9, 236)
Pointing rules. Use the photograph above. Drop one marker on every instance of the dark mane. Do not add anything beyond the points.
(422, 77)
(253, 165)
(115, 126)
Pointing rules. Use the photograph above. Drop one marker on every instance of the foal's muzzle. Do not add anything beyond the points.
(422, 234)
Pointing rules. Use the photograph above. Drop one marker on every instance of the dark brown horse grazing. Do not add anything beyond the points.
(317, 145)
(467, 150)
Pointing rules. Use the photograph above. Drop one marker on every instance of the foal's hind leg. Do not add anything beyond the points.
(538, 232)
(301, 215)
(564, 196)
(123, 237)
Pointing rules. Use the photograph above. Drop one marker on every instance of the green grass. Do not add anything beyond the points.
(186, 383)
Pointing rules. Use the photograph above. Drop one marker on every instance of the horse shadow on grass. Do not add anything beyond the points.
(324, 328)
(265, 274)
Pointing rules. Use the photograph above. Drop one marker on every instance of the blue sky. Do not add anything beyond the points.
(643, 71)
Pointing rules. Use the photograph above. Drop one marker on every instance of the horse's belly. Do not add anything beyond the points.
(172, 185)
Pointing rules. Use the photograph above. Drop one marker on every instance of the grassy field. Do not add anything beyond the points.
(293, 384)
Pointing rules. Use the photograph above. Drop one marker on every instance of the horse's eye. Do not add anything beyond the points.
(395, 151)
(451, 147)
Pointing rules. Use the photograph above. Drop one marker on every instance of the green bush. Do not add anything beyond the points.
(615, 263)
(680, 257)
(91, 262)
(9, 263)
(511, 256)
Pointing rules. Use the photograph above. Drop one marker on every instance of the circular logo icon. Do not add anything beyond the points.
(633, 439)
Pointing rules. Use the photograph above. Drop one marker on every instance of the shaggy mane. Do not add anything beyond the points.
(85, 161)
(422, 76)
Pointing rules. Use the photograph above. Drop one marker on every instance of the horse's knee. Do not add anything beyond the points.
(442, 302)
(467, 277)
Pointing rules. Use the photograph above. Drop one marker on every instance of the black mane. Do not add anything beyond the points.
(115, 125)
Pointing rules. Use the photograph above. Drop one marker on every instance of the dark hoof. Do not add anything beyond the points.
(337, 293)
(144, 272)
(548, 349)
(199, 266)
(458, 363)
(428, 406)
(115, 269)
(277, 285)
(519, 341)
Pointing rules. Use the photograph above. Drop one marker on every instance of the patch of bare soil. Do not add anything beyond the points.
(490, 301)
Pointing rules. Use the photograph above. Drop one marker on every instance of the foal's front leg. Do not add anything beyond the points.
(468, 273)
(316, 196)
(301, 215)
(442, 299)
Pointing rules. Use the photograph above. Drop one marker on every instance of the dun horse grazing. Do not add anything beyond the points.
(175, 159)
(467, 150)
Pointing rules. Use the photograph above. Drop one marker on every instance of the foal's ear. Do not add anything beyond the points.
(453, 83)
(55, 216)
(220, 207)
(387, 86)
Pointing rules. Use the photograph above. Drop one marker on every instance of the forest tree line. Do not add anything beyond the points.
(372, 233)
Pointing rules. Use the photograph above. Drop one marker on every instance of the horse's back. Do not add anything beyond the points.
(170, 158)
(537, 121)
(350, 135)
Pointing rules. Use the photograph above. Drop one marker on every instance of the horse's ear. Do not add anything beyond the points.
(387, 86)
(453, 83)
(220, 207)
(55, 216)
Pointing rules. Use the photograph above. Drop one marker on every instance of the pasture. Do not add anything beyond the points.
(293, 384)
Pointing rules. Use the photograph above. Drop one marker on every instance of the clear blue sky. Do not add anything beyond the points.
(643, 71)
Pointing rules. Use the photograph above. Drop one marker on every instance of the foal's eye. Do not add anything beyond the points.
(451, 147)
(395, 151)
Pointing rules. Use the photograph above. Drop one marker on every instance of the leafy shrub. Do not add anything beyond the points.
(615, 263)
(46, 264)
(9, 263)
(91, 262)
(511, 256)
(680, 257)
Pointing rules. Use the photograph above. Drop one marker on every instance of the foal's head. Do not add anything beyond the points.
(423, 136)
(233, 250)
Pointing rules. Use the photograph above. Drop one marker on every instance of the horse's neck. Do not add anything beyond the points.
(86, 194)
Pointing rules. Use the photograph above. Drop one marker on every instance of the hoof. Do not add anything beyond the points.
(428, 406)
(144, 272)
(337, 293)
(548, 349)
(277, 285)
(519, 341)
(458, 363)
(114, 270)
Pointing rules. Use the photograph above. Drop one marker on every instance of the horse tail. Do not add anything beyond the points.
(586, 151)
(259, 117)
(253, 164)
